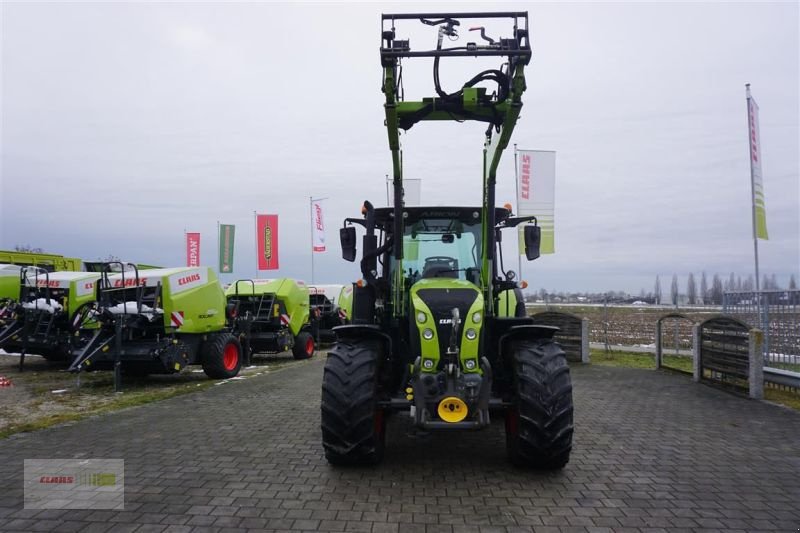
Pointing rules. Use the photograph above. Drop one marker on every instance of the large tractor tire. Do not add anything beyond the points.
(539, 425)
(304, 346)
(222, 356)
(353, 426)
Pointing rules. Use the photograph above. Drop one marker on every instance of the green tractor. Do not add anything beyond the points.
(272, 316)
(428, 336)
(158, 321)
(43, 310)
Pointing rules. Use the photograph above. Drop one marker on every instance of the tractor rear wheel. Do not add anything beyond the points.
(539, 425)
(353, 426)
(221, 356)
(303, 346)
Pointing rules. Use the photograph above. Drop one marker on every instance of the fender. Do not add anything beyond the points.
(360, 331)
(528, 332)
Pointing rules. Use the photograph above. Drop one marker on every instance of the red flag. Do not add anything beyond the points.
(267, 241)
(193, 249)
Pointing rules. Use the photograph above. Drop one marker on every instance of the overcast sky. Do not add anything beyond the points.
(125, 124)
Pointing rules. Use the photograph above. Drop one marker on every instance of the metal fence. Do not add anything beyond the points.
(572, 335)
(778, 315)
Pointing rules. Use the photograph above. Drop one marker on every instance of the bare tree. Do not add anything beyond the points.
(792, 283)
(674, 290)
(731, 283)
(716, 290)
(703, 288)
(657, 291)
(691, 290)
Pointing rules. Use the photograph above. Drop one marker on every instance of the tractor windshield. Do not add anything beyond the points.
(443, 248)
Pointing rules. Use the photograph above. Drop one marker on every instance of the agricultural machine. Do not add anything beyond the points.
(428, 336)
(157, 322)
(325, 307)
(43, 311)
(272, 316)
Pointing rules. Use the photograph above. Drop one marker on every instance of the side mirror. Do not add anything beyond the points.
(347, 236)
(533, 240)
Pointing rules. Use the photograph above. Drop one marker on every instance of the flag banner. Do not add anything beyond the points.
(759, 208)
(227, 233)
(536, 186)
(317, 226)
(192, 249)
(412, 192)
(267, 241)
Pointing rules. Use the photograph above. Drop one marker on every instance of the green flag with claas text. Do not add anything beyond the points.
(226, 234)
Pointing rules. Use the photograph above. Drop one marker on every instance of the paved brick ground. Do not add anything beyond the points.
(653, 452)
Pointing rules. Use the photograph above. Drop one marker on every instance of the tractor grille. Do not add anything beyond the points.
(441, 303)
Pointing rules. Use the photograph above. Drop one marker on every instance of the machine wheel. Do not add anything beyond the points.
(539, 426)
(222, 356)
(303, 346)
(353, 426)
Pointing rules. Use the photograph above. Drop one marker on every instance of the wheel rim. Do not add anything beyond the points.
(310, 346)
(230, 357)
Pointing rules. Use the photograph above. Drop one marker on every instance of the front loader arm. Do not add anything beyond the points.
(472, 102)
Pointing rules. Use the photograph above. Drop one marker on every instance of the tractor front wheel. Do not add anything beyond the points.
(353, 425)
(222, 356)
(539, 424)
(303, 346)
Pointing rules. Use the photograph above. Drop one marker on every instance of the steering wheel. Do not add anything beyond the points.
(439, 264)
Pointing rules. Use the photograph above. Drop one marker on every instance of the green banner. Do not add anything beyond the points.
(226, 235)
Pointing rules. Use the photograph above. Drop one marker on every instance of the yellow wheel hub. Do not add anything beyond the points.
(452, 409)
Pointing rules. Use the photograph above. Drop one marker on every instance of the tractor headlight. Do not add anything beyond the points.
(421, 317)
(471, 335)
(476, 317)
(427, 334)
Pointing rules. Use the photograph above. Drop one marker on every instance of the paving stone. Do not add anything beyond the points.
(653, 452)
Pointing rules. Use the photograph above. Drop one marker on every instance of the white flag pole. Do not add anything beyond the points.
(311, 201)
(750, 127)
(218, 257)
(311, 233)
(255, 238)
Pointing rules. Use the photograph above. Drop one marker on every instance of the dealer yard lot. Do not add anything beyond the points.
(653, 451)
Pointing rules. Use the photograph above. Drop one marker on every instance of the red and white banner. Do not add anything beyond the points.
(267, 241)
(317, 226)
(536, 185)
(192, 249)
